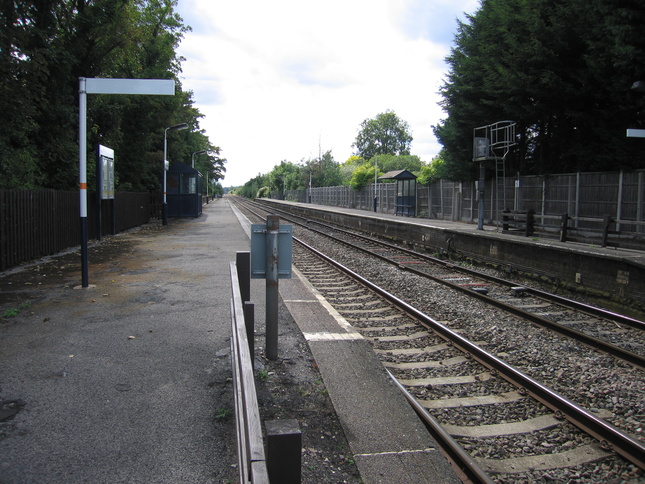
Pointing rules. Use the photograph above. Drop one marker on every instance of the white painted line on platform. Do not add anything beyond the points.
(413, 451)
(332, 336)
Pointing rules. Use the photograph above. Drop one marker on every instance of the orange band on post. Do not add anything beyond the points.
(83, 186)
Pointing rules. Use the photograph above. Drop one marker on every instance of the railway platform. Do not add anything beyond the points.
(123, 381)
(611, 272)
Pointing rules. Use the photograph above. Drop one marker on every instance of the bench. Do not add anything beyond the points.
(605, 230)
(407, 210)
(520, 220)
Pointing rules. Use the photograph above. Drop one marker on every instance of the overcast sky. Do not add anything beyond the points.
(284, 79)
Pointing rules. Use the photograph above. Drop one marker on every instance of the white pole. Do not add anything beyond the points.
(82, 175)
(164, 204)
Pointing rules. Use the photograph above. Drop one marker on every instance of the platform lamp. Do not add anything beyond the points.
(639, 86)
(164, 206)
(192, 164)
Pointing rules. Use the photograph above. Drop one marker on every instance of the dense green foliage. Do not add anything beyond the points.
(433, 172)
(364, 175)
(326, 172)
(562, 70)
(45, 46)
(386, 134)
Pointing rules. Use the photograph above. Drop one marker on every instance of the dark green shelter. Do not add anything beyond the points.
(184, 191)
(406, 191)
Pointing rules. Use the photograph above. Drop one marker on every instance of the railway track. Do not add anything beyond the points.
(610, 332)
(513, 426)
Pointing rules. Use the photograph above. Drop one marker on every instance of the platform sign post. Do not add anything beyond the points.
(271, 257)
(154, 87)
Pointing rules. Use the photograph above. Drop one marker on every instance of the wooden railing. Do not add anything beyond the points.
(282, 462)
(250, 447)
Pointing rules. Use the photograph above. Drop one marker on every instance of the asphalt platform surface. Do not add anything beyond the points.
(117, 381)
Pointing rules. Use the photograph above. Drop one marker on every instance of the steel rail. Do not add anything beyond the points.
(469, 471)
(592, 310)
(609, 436)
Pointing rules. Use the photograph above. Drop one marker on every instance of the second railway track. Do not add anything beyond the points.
(444, 380)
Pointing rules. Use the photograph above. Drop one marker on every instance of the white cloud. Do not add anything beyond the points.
(277, 80)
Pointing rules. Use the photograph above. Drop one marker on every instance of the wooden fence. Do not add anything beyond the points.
(586, 198)
(37, 223)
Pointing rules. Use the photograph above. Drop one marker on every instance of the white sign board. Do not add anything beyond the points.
(130, 86)
(636, 133)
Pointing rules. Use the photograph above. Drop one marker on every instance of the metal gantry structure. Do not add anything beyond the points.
(493, 142)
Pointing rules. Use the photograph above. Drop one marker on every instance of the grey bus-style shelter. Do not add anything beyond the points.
(406, 191)
(184, 191)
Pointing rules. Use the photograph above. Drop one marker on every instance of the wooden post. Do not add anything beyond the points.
(605, 229)
(249, 323)
(563, 227)
(243, 263)
(284, 450)
(505, 220)
(529, 229)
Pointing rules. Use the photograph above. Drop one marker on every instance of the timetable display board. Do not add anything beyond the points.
(106, 172)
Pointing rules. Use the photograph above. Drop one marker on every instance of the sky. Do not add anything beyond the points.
(291, 79)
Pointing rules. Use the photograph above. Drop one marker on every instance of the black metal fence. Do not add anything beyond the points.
(37, 223)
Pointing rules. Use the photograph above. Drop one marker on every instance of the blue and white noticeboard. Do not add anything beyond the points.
(106, 172)
(259, 251)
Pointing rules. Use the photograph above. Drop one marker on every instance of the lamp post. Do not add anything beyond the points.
(192, 164)
(197, 153)
(164, 206)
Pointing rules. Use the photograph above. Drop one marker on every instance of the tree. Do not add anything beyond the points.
(252, 188)
(385, 134)
(216, 189)
(285, 176)
(347, 169)
(561, 70)
(323, 171)
(363, 176)
(46, 46)
(386, 163)
(433, 172)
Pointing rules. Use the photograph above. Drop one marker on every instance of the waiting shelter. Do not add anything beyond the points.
(184, 191)
(406, 191)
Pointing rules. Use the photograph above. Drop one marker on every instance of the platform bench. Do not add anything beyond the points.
(520, 220)
(604, 232)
